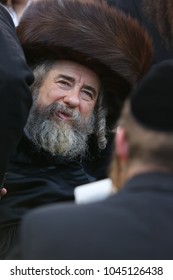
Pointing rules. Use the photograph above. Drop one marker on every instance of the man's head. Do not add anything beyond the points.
(65, 110)
(93, 34)
(144, 139)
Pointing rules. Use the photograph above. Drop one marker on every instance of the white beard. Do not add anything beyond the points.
(58, 137)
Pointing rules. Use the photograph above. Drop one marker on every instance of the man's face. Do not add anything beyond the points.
(62, 115)
(72, 85)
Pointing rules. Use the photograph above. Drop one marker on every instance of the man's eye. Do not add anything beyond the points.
(64, 82)
(87, 95)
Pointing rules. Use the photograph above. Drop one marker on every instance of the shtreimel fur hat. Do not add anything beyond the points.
(90, 32)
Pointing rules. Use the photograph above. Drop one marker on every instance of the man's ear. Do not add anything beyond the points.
(121, 144)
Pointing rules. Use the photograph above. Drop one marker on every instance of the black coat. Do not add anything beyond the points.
(135, 223)
(36, 178)
(15, 96)
(134, 8)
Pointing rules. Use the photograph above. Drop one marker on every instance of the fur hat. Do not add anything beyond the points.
(90, 32)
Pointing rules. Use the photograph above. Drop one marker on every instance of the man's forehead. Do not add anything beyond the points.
(71, 68)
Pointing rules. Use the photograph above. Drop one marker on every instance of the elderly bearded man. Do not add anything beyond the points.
(63, 115)
(80, 71)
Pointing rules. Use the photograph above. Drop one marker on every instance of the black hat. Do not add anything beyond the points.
(90, 32)
(152, 100)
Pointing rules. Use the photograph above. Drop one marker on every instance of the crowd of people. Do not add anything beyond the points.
(86, 95)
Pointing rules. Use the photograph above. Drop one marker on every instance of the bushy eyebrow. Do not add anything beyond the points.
(68, 78)
(71, 79)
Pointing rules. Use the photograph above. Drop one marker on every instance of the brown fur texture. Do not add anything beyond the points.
(160, 12)
(92, 33)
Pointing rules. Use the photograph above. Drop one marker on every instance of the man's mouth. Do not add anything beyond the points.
(63, 116)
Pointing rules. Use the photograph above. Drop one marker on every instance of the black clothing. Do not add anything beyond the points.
(35, 178)
(134, 8)
(15, 96)
(135, 223)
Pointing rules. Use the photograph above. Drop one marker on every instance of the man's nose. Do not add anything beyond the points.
(72, 98)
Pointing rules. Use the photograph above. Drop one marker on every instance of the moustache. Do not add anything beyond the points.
(77, 121)
(60, 108)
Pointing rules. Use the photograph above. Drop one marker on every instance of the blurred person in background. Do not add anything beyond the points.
(15, 8)
(16, 98)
